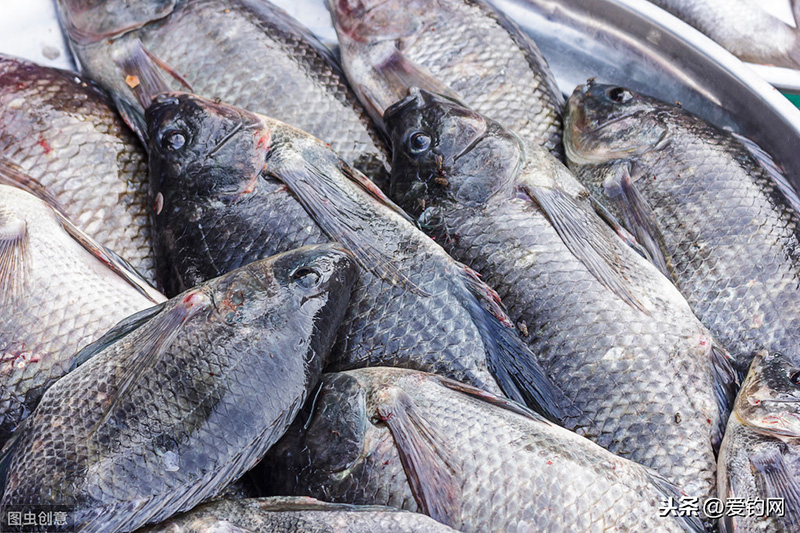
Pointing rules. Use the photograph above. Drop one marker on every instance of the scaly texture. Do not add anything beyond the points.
(481, 55)
(248, 53)
(56, 298)
(231, 196)
(741, 26)
(730, 237)
(164, 417)
(507, 469)
(289, 515)
(63, 131)
(608, 328)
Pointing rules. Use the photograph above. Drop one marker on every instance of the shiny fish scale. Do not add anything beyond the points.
(289, 515)
(62, 131)
(478, 59)
(629, 374)
(285, 78)
(513, 473)
(736, 263)
(71, 299)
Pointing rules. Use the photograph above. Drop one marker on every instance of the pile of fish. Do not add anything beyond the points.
(248, 284)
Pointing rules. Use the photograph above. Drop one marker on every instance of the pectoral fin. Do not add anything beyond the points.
(774, 480)
(428, 461)
(341, 214)
(637, 215)
(13, 264)
(586, 237)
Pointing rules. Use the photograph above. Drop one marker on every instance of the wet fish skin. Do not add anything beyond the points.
(237, 186)
(464, 46)
(728, 230)
(63, 131)
(473, 461)
(742, 27)
(188, 400)
(606, 325)
(245, 52)
(289, 514)
(55, 297)
(759, 458)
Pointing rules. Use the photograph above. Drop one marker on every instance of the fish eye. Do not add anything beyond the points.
(306, 277)
(418, 142)
(620, 95)
(173, 140)
(795, 378)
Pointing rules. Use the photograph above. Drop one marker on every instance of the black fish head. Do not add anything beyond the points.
(446, 155)
(302, 293)
(89, 21)
(606, 122)
(769, 400)
(327, 439)
(199, 147)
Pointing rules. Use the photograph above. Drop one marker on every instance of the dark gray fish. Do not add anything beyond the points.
(743, 27)
(59, 291)
(709, 206)
(296, 514)
(236, 186)
(179, 400)
(608, 328)
(63, 132)
(760, 457)
(465, 47)
(465, 457)
(246, 52)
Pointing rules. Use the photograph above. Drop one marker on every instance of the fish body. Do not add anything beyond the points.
(760, 460)
(465, 47)
(63, 131)
(237, 186)
(465, 457)
(56, 296)
(608, 328)
(743, 27)
(709, 203)
(246, 52)
(179, 400)
(292, 514)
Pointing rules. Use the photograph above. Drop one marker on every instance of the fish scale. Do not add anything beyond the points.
(61, 130)
(164, 417)
(511, 471)
(731, 238)
(223, 49)
(70, 298)
(643, 378)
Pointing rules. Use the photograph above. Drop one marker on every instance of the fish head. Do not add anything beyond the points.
(446, 155)
(606, 122)
(369, 21)
(200, 147)
(769, 400)
(89, 21)
(303, 292)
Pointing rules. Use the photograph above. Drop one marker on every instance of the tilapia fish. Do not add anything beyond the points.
(759, 462)
(743, 27)
(297, 514)
(245, 52)
(648, 380)
(465, 457)
(58, 292)
(710, 207)
(233, 186)
(461, 46)
(63, 132)
(179, 400)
